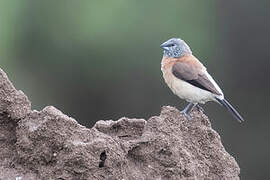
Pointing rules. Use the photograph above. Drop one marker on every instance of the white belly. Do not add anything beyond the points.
(187, 91)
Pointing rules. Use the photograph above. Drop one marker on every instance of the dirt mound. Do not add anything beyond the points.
(50, 145)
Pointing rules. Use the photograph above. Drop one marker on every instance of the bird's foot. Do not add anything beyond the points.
(187, 110)
(199, 108)
(186, 115)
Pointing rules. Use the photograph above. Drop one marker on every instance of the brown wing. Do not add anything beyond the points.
(193, 75)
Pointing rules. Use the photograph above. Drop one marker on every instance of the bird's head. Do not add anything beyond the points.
(175, 47)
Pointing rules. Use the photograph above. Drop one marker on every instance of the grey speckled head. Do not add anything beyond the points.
(175, 47)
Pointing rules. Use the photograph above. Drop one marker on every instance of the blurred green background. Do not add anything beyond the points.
(101, 60)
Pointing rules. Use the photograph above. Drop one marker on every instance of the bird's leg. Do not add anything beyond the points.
(187, 110)
(199, 108)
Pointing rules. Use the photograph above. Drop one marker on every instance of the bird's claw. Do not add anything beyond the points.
(199, 108)
(186, 115)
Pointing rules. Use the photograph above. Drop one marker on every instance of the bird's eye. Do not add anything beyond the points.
(170, 45)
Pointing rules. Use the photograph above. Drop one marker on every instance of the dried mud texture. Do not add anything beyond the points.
(52, 146)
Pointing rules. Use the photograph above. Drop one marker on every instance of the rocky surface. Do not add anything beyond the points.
(50, 145)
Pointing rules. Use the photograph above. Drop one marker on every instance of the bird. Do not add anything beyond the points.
(188, 78)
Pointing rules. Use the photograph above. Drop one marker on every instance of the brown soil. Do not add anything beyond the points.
(52, 146)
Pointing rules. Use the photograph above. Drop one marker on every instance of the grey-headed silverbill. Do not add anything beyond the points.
(187, 77)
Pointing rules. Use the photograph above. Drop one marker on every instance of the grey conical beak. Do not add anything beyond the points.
(165, 45)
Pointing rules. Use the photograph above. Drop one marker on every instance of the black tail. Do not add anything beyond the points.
(229, 107)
